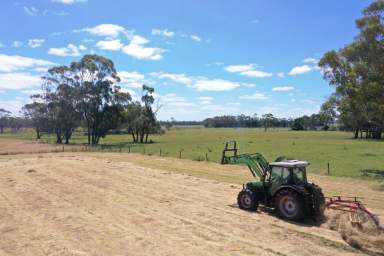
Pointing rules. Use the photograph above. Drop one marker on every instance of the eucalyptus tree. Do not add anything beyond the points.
(100, 99)
(356, 71)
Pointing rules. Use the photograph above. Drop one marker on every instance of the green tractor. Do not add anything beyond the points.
(282, 185)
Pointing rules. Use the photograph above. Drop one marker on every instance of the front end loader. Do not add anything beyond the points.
(281, 185)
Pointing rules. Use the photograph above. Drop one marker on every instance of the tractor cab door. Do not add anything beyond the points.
(279, 176)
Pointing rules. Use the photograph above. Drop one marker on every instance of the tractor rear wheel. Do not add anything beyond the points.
(289, 205)
(247, 201)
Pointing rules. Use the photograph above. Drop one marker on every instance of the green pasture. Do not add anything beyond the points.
(346, 156)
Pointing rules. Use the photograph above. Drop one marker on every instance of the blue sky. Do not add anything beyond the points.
(204, 58)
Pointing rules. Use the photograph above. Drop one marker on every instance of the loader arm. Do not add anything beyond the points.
(256, 163)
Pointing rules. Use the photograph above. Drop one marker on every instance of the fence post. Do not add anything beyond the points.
(120, 148)
(144, 150)
(63, 148)
(328, 169)
(129, 149)
(180, 154)
(206, 156)
(160, 152)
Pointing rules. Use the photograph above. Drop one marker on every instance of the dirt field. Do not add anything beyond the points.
(120, 204)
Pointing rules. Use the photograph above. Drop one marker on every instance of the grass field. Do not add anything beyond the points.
(346, 156)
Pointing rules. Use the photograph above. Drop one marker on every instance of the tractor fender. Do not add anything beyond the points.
(297, 189)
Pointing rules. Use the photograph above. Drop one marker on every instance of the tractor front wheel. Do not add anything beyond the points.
(247, 201)
(289, 205)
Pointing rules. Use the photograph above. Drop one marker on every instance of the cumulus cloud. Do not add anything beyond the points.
(69, 1)
(111, 45)
(17, 81)
(178, 78)
(162, 32)
(137, 48)
(299, 70)
(283, 88)
(106, 30)
(215, 85)
(11, 63)
(69, 50)
(310, 60)
(198, 82)
(247, 70)
(255, 96)
(131, 79)
(36, 42)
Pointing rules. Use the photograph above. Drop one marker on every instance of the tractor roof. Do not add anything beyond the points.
(290, 163)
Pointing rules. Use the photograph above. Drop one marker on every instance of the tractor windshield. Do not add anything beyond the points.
(298, 175)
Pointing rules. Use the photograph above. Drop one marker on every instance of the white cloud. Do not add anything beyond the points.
(131, 79)
(17, 81)
(283, 88)
(299, 70)
(31, 11)
(137, 49)
(281, 74)
(70, 50)
(10, 63)
(310, 60)
(162, 32)
(69, 1)
(17, 44)
(179, 78)
(215, 85)
(256, 73)
(36, 42)
(239, 68)
(2, 45)
(195, 38)
(255, 96)
(199, 83)
(106, 30)
(247, 70)
(112, 45)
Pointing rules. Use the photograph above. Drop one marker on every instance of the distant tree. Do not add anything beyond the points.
(36, 113)
(298, 124)
(4, 118)
(267, 120)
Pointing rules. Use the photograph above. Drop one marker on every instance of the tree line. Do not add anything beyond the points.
(357, 73)
(86, 94)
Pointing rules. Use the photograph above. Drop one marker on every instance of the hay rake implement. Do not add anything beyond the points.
(353, 206)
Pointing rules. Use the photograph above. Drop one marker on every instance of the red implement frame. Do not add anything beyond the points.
(352, 205)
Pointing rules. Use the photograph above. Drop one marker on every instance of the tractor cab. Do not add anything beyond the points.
(290, 172)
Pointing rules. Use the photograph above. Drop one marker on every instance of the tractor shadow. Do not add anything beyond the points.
(307, 222)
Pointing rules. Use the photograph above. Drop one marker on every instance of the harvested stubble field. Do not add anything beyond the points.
(130, 204)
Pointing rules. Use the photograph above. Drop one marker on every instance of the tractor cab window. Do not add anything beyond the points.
(280, 174)
(298, 175)
(276, 173)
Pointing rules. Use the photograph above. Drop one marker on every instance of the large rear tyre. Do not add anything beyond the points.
(289, 205)
(318, 202)
(247, 201)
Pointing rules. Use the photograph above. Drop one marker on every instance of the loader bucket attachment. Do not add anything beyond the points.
(230, 146)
